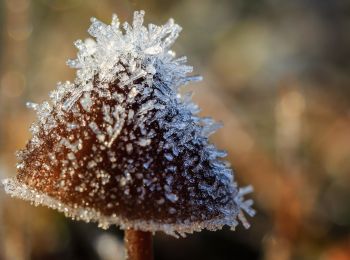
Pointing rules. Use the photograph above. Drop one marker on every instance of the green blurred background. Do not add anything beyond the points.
(276, 73)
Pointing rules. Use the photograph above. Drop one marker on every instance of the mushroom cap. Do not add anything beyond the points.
(122, 146)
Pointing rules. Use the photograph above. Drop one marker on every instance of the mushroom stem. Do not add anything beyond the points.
(138, 245)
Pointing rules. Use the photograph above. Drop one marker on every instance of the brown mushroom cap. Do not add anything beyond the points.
(126, 148)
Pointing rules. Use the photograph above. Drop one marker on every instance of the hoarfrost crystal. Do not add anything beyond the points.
(120, 145)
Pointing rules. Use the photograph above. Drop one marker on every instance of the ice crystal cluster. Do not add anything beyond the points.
(120, 145)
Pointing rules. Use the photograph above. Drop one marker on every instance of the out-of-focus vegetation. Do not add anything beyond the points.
(277, 73)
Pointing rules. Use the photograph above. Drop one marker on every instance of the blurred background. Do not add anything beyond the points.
(276, 73)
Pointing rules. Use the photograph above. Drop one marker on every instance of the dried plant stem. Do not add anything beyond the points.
(138, 245)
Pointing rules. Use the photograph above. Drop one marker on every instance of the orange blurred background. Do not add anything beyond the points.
(276, 73)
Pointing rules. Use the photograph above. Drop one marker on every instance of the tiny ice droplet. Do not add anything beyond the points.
(32, 105)
(144, 142)
(172, 197)
(172, 210)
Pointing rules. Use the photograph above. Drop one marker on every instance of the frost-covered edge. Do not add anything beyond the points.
(22, 191)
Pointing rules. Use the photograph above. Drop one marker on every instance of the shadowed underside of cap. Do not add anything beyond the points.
(121, 146)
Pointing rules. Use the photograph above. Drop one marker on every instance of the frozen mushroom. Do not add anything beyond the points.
(121, 146)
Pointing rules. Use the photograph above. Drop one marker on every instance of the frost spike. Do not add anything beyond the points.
(138, 19)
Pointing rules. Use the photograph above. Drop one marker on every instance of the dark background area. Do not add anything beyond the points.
(276, 73)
